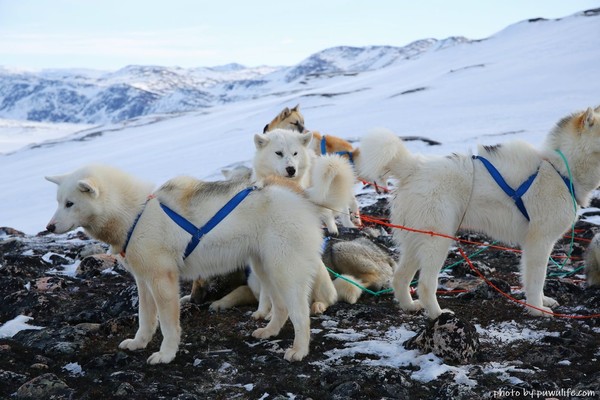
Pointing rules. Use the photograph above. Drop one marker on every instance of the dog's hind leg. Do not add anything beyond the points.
(147, 321)
(432, 255)
(403, 274)
(534, 262)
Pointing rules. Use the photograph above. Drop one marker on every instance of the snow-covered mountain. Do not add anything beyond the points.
(515, 84)
(92, 97)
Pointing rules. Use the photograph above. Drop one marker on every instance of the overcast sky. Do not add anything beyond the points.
(110, 34)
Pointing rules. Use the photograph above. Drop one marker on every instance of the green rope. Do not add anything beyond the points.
(572, 192)
(564, 274)
(384, 291)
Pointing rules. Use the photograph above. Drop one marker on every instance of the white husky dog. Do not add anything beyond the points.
(328, 180)
(442, 194)
(286, 255)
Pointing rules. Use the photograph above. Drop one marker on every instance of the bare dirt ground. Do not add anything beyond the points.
(357, 351)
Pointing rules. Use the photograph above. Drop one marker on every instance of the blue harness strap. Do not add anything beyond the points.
(323, 145)
(340, 153)
(517, 195)
(198, 233)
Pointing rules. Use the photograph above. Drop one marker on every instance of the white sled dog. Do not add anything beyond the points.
(442, 194)
(328, 180)
(114, 207)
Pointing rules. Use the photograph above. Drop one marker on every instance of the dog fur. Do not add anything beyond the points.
(592, 261)
(443, 194)
(286, 255)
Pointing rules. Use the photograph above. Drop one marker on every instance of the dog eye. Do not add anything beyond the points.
(296, 153)
(69, 204)
(279, 153)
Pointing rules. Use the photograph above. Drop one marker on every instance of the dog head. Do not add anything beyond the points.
(77, 196)
(282, 152)
(579, 132)
(287, 119)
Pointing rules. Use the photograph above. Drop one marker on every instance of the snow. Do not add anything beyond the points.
(510, 331)
(74, 369)
(14, 326)
(17, 134)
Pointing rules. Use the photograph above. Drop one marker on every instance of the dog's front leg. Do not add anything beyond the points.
(534, 262)
(147, 323)
(165, 290)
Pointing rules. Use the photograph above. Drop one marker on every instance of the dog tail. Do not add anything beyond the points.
(382, 154)
(332, 181)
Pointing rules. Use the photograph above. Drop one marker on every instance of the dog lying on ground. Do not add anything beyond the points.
(355, 257)
(443, 194)
(292, 119)
(114, 207)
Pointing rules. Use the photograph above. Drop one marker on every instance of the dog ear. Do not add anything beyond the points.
(285, 112)
(296, 107)
(305, 138)
(260, 141)
(266, 128)
(87, 186)
(55, 179)
(589, 118)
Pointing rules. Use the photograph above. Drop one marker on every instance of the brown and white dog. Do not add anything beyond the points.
(292, 119)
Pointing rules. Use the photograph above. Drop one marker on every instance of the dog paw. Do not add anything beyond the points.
(294, 354)
(161, 357)
(132, 344)
(549, 302)
(318, 308)
(413, 306)
(259, 314)
(217, 306)
(185, 299)
(264, 333)
(333, 231)
(540, 311)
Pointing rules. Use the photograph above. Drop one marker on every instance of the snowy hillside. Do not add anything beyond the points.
(515, 84)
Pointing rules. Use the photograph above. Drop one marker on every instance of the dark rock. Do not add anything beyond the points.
(94, 265)
(45, 386)
(448, 337)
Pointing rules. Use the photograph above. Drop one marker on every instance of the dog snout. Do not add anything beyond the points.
(51, 227)
(291, 171)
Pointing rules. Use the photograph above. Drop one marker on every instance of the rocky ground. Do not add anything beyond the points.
(86, 305)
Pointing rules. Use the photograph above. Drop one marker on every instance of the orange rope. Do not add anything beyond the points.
(432, 233)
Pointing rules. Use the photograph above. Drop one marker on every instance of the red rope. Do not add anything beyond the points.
(509, 297)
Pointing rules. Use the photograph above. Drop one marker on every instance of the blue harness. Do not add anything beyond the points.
(197, 233)
(517, 195)
(341, 153)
